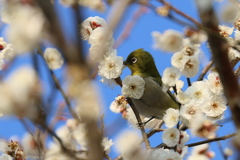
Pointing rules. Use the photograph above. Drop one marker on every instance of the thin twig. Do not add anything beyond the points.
(64, 148)
(181, 13)
(130, 102)
(212, 140)
(189, 82)
(205, 70)
(221, 150)
(58, 86)
(152, 132)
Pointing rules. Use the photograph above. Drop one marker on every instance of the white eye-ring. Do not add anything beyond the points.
(134, 60)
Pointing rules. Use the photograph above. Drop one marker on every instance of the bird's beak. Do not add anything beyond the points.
(125, 63)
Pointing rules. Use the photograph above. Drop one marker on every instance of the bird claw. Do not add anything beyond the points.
(142, 124)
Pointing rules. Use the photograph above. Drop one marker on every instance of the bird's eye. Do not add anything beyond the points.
(134, 60)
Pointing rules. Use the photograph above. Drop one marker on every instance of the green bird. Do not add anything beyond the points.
(154, 101)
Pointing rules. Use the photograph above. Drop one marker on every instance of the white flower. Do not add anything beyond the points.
(67, 3)
(179, 85)
(65, 134)
(170, 40)
(214, 106)
(8, 52)
(3, 44)
(79, 134)
(225, 31)
(201, 153)
(130, 117)
(199, 91)
(107, 144)
(233, 54)
(119, 104)
(228, 152)
(133, 87)
(22, 87)
(91, 24)
(170, 76)
(184, 137)
(171, 117)
(189, 111)
(127, 144)
(72, 123)
(5, 157)
(184, 151)
(163, 154)
(237, 35)
(111, 66)
(26, 28)
(53, 58)
(93, 4)
(196, 36)
(171, 136)
(179, 60)
(29, 144)
(100, 34)
(5, 15)
(230, 12)
(171, 155)
(151, 124)
(114, 107)
(55, 152)
(191, 67)
(101, 41)
(204, 128)
(100, 50)
(110, 82)
(214, 83)
(182, 97)
(190, 49)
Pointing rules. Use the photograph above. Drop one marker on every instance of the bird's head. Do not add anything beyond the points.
(141, 63)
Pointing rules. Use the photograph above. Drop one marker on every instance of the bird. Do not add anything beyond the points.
(154, 102)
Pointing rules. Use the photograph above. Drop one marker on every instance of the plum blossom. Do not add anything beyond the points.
(171, 117)
(171, 136)
(133, 86)
(170, 40)
(225, 31)
(111, 66)
(170, 76)
(53, 58)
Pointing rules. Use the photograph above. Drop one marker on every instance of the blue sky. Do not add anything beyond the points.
(140, 37)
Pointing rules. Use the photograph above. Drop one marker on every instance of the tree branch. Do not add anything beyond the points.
(204, 71)
(58, 86)
(181, 13)
(212, 140)
(130, 102)
(219, 48)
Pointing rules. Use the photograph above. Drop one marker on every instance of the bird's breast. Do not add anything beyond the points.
(154, 101)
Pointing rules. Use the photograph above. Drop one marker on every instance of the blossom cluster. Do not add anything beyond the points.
(93, 4)
(26, 25)
(73, 135)
(98, 35)
(20, 93)
(6, 52)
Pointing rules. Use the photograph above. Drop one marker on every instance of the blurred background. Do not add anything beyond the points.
(133, 31)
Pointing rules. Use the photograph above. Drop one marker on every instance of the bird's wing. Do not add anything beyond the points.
(159, 82)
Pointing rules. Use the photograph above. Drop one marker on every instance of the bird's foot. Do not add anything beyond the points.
(144, 123)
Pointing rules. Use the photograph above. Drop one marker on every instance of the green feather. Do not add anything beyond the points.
(141, 63)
